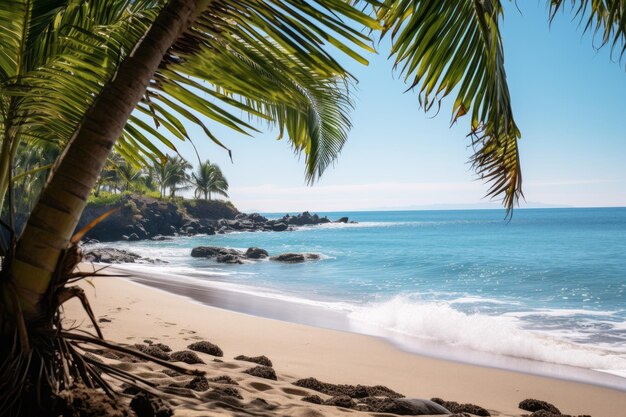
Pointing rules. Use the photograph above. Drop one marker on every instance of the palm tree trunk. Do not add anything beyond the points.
(54, 218)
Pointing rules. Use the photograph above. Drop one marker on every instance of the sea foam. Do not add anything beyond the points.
(502, 335)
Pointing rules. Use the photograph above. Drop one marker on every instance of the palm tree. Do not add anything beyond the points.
(171, 173)
(209, 179)
(178, 177)
(87, 75)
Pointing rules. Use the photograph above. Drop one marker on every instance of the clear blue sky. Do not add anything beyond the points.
(567, 97)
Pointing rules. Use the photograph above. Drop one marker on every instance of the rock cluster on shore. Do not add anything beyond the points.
(116, 256)
(140, 218)
(234, 256)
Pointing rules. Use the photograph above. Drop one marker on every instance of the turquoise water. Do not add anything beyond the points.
(550, 285)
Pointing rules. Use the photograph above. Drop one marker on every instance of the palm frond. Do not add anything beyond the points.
(268, 61)
(455, 46)
(605, 18)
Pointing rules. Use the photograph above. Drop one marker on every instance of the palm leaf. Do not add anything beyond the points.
(450, 47)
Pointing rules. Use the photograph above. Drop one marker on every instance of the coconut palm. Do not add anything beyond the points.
(178, 178)
(91, 76)
(209, 179)
(171, 173)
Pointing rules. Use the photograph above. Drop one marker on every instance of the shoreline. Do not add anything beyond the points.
(291, 311)
(137, 312)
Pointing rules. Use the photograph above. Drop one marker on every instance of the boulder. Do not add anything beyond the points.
(279, 227)
(256, 253)
(133, 237)
(229, 259)
(342, 220)
(295, 257)
(213, 251)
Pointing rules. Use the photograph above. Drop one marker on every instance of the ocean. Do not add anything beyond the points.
(546, 289)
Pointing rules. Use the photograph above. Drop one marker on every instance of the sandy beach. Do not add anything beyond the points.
(132, 313)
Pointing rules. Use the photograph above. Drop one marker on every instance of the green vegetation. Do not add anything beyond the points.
(84, 77)
(105, 198)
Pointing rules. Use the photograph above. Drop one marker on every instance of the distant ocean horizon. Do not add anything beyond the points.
(548, 286)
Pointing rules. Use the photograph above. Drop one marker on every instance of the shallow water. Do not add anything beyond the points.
(549, 285)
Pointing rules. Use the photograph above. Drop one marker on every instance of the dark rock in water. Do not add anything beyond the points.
(262, 372)
(533, 405)
(152, 350)
(455, 407)
(261, 360)
(228, 392)
(229, 259)
(295, 257)
(199, 383)
(279, 227)
(256, 253)
(353, 391)
(133, 237)
(342, 220)
(214, 252)
(324, 220)
(224, 379)
(161, 238)
(186, 356)
(315, 399)
(206, 347)
(257, 218)
(404, 406)
(205, 251)
(340, 401)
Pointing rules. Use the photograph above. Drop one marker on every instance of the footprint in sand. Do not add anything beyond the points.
(260, 386)
(295, 391)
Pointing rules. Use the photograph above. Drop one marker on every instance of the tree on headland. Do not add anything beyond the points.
(209, 179)
(170, 174)
(88, 75)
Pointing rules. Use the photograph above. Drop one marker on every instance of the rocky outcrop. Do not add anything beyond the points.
(140, 217)
(256, 253)
(116, 256)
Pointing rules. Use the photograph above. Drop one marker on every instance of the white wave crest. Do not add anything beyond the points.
(501, 335)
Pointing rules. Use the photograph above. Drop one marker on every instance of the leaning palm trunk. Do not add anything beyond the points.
(54, 218)
(32, 339)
